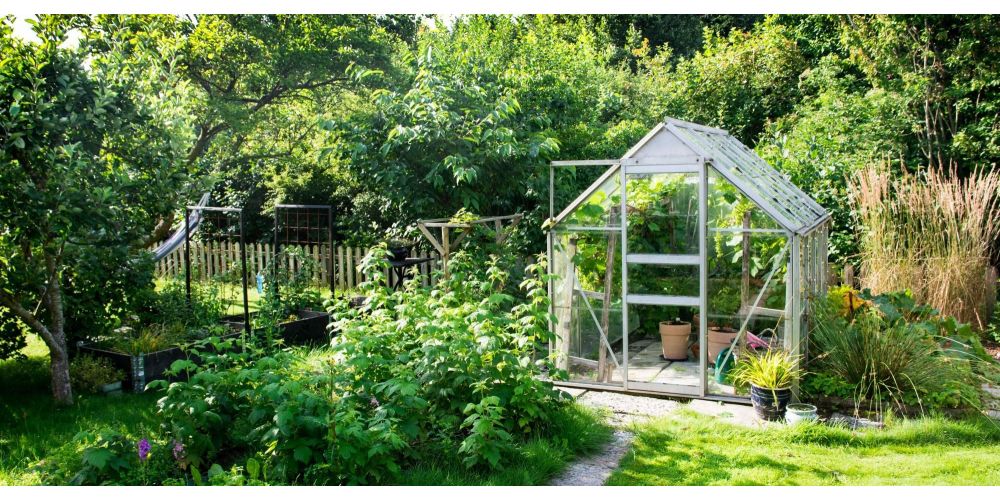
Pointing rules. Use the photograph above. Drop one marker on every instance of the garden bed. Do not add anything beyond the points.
(309, 327)
(140, 369)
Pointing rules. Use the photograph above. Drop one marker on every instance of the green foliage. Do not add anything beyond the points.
(87, 150)
(286, 291)
(416, 373)
(890, 350)
(89, 373)
(12, 335)
(770, 369)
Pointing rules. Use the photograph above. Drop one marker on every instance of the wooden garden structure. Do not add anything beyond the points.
(451, 233)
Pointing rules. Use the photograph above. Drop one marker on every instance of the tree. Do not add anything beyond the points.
(262, 82)
(89, 148)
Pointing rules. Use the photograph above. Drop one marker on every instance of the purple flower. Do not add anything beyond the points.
(178, 451)
(144, 448)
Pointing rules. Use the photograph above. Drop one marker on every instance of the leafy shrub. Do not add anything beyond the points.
(448, 371)
(89, 373)
(170, 305)
(286, 291)
(889, 349)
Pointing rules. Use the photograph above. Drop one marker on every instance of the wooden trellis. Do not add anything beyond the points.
(448, 241)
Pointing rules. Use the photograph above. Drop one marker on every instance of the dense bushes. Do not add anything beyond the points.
(886, 350)
(447, 373)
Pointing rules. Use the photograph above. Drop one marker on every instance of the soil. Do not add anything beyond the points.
(993, 348)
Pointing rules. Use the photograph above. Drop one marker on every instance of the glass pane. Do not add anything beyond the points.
(586, 303)
(748, 259)
(648, 279)
(663, 213)
(662, 349)
(602, 208)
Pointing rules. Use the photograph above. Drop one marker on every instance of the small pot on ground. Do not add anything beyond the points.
(674, 338)
(800, 412)
(719, 338)
(112, 388)
(770, 404)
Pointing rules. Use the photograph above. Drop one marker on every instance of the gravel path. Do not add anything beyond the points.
(597, 468)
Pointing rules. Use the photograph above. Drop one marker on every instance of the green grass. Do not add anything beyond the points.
(693, 449)
(33, 428)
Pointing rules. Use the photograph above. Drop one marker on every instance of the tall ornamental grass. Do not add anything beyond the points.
(932, 234)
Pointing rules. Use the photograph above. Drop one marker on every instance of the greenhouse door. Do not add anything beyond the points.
(663, 244)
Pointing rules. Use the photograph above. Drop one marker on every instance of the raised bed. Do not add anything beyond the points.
(309, 328)
(140, 369)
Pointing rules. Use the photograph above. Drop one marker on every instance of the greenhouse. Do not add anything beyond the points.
(706, 252)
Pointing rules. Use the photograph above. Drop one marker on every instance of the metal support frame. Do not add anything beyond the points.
(703, 279)
(243, 257)
(331, 268)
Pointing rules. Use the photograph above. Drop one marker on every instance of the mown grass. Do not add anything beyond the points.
(693, 449)
(34, 429)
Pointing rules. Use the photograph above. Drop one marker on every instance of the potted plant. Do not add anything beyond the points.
(95, 375)
(719, 338)
(800, 412)
(770, 375)
(674, 338)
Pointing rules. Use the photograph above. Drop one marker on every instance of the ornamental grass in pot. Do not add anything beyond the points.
(770, 375)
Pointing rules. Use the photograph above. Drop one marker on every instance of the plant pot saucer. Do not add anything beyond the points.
(664, 358)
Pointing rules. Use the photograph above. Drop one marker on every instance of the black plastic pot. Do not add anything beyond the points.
(770, 403)
(399, 253)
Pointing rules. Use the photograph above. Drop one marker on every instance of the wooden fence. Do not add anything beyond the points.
(217, 259)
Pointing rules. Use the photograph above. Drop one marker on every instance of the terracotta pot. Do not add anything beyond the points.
(695, 350)
(674, 337)
(719, 339)
(696, 321)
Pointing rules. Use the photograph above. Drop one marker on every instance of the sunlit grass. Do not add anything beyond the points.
(693, 449)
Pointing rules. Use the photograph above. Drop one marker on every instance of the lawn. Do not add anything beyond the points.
(693, 449)
(34, 429)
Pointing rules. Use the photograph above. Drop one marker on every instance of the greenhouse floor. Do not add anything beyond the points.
(646, 365)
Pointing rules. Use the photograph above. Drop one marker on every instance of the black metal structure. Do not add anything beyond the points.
(305, 225)
(217, 224)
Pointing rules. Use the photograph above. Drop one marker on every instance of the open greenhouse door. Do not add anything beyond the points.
(663, 248)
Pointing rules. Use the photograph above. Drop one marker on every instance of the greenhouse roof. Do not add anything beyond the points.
(772, 191)
(674, 141)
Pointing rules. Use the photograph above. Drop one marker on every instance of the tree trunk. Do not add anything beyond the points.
(58, 354)
(62, 391)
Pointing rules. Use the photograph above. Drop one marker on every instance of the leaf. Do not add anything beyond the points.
(302, 454)
(215, 470)
(15, 109)
(97, 457)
